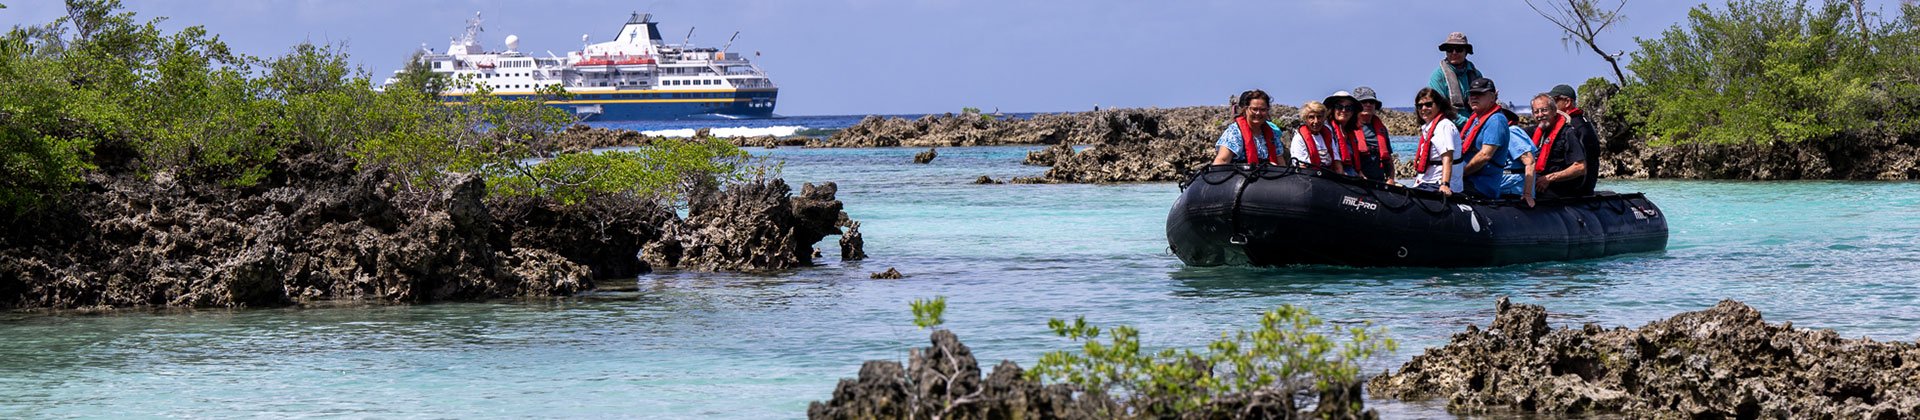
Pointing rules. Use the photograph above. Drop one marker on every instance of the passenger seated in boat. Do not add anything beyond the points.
(1563, 100)
(1520, 176)
(1562, 160)
(1437, 166)
(1346, 130)
(1250, 130)
(1313, 145)
(1373, 145)
(1491, 134)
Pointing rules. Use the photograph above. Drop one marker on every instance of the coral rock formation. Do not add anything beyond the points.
(1723, 362)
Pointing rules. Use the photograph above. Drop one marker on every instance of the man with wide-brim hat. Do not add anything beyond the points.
(1455, 73)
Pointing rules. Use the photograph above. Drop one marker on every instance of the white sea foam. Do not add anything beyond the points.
(778, 131)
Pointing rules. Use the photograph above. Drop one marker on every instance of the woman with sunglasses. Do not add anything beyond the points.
(1346, 127)
(1437, 164)
(1453, 75)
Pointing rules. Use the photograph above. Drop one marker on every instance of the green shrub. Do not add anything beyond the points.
(99, 90)
(662, 171)
(1763, 71)
(1291, 350)
(929, 313)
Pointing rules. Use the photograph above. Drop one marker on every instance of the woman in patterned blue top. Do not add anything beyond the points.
(1250, 129)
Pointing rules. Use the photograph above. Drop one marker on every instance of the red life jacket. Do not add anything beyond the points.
(1379, 136)
(1474, 124)
(1421, 157)
(1313, 152)
(1345, 147)
(1546, 146)
(1246, 139)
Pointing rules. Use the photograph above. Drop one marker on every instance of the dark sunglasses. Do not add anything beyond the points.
(1454, 49)
(1345, 107)
(1427, 104)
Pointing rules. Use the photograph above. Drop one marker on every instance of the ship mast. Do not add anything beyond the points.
(472, 36)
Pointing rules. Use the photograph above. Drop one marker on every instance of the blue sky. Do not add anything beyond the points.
(929, 56)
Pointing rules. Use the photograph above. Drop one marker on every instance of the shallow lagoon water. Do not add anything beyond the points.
(1008, 257)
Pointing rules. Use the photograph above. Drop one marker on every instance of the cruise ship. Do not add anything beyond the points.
(634, 76)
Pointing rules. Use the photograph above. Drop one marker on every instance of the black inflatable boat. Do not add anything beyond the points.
(1278, 215)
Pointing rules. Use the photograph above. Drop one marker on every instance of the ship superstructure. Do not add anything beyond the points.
(635, 76)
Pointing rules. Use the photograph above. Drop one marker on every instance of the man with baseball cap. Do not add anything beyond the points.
(1501, 163)
(1563, 98)
(1454, 73)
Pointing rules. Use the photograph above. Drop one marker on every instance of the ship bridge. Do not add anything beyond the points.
(639, 37)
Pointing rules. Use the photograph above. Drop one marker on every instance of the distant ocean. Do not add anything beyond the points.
(781, 127)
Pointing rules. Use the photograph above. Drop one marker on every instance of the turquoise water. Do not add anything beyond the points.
(1008, 257)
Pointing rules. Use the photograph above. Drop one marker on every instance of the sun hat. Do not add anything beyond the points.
(1365, 94)
(1457, 38)
(1333, 99)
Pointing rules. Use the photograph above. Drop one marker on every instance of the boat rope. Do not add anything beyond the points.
(1423, 206)
(1238, 236)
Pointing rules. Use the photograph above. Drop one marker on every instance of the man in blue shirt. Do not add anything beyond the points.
(1502, 163)
(1454, 74)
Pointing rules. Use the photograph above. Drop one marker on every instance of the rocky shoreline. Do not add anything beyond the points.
(322, 230)
(944, 380)
(1722, 362)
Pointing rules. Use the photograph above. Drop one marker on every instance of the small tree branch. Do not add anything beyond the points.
(1577, 19)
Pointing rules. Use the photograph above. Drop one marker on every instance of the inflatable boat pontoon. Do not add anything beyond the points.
(1282, 215)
